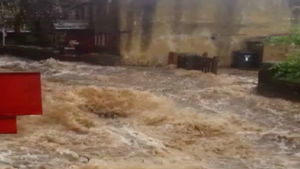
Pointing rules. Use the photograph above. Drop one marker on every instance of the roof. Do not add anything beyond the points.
(71, 25)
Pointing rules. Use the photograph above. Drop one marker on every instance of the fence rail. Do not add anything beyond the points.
(194, 62)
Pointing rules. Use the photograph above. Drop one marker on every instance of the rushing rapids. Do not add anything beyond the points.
(151, 118)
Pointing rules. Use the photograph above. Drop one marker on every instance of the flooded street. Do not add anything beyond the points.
(150, 118)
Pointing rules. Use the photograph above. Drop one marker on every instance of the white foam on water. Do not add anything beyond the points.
(150, 118)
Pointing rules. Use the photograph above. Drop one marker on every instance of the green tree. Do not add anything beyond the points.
(10, 14)
(39, 16)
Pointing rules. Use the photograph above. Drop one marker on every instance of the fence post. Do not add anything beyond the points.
(3, 36)
(173, 59)
(215, 65)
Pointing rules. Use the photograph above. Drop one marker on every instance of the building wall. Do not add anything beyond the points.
(107, 15)
(277, 53)
(150, 29)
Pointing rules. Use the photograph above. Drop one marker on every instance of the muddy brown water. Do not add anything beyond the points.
(151, 118)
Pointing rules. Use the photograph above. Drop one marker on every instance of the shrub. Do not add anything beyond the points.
(288, 70)
(291, 39)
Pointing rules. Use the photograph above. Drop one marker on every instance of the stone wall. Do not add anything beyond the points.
(277, 53)
(150, 29)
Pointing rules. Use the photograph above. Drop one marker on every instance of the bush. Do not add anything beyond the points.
(288, 70)
(291, 39)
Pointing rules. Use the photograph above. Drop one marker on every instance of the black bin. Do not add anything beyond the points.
(244, 59)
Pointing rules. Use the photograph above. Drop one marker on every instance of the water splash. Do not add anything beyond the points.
(134, 117)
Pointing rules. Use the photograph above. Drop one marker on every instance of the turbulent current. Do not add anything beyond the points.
(150, 118)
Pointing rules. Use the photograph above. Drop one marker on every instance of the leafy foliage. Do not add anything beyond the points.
(41, 9)
(15, 13)
(9, 9)
(290, 69)
(291, 39)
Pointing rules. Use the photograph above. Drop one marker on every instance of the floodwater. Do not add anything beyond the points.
(150, 118)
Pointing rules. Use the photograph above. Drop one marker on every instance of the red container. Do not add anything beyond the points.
(8, 125)
(20, 94)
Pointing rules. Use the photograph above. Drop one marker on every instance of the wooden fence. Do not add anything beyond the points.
(194, 62)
